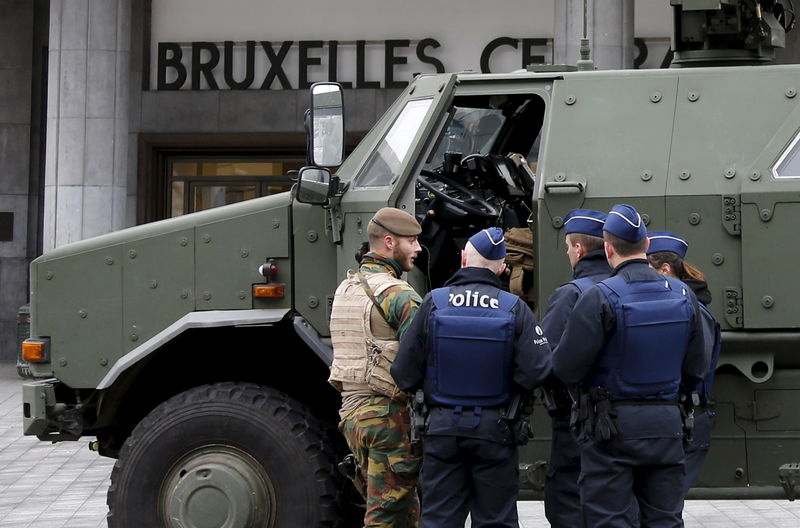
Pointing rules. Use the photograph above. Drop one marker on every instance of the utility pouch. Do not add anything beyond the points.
(418, 416)
(687, 406)
(605, 426)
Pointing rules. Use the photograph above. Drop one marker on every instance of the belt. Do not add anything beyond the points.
(643, 402)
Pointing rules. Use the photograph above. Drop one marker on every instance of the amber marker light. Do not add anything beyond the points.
(265, 291)
(34, 351)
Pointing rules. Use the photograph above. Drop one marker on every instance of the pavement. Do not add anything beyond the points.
(46, 485)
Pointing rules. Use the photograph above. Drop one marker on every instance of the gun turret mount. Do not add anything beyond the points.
(729, 32)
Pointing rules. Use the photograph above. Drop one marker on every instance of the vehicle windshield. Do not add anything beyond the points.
(472, 130)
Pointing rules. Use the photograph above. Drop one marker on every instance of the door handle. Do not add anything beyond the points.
(568, 187)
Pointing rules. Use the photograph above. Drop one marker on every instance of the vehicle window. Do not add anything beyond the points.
(471, 131)
(788, 165)
(385, 162)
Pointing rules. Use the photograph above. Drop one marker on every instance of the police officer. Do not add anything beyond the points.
(583, 230)
(473, 347)
(666, 255)
(630, 343)
(372, 309)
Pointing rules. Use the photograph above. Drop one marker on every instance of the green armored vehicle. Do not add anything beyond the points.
(196, 349)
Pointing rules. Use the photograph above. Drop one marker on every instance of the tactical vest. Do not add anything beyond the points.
(712, 332)
(583, 283)
(643, 357)
(472, 349)
(362, 353)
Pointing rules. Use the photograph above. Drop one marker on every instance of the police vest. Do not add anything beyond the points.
(583, 283)
(711, 332)
(472, 344)
(362, 354)
(642, 358)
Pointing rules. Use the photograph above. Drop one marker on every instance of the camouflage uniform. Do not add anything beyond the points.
(376, 427)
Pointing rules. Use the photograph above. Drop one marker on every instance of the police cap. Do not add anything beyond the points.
(666, 241)
(397, 222)
(490, 243)
(585, 222)
(625, 222)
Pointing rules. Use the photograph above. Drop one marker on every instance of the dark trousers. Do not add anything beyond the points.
(468, 475)
(696, 451)
(562, 499)
(616, 472)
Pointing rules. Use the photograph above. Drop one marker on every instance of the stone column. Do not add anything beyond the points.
(87, 119)
(609, 27)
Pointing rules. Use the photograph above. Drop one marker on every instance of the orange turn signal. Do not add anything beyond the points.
(268, 290)
(34, 351)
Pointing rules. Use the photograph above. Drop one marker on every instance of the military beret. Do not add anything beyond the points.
(666, 241)
(585, 222)
(397, 222)
(625, 222)
(490, 243)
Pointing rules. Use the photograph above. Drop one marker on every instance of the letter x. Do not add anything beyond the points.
(276, 65)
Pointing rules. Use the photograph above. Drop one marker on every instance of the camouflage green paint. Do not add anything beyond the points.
(377, 433)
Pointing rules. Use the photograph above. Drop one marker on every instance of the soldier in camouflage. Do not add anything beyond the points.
(371, 311)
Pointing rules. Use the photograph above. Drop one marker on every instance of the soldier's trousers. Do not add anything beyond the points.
(469, 475)
(378, 435)
(562, 497)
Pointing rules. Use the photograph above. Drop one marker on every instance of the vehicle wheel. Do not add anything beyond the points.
(230, 455)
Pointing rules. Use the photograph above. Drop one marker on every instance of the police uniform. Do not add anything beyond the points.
(470, 347)
(372, 309)
(562, 502)
(697, 450)
(630, 343)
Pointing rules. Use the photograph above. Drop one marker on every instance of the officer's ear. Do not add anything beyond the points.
(463, 258)
(501, 269)
(609, 249)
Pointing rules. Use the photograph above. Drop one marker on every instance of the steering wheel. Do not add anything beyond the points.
(456, 194)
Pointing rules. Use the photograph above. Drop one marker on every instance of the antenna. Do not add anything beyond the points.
(585, 63)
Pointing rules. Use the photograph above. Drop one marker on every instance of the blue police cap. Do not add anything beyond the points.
(666, 241)
(490, 243)
(585, 222)
(626, 223)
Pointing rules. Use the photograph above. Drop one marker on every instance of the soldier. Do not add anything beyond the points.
(477, 351)
(630, 343)
(666, 254)
(583, 230)
(371, 311)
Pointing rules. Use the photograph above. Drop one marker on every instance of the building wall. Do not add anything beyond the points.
(16, 51)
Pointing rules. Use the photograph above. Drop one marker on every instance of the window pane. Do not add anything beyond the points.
(185, 168)
(789, 167)
(178, 189)
(385, 163)
(275, 189)
(210, 196)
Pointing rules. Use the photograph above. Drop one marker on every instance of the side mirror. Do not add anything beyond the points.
(315, 185)
(326, 130)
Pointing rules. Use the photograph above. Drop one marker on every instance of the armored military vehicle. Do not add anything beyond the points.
(196, 349)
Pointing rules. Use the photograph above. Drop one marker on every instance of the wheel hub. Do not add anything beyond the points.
(218, 487)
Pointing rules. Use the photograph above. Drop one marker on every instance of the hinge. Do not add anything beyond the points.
(734, 307)
(732, 214)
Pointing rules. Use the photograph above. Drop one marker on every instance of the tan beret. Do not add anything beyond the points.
(397, 222)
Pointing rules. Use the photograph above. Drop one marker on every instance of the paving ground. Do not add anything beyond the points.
(64, 485)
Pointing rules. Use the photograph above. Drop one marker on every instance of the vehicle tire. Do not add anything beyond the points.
(230, 455)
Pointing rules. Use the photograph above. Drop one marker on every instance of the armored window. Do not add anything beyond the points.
(788, 165)
(391, 153)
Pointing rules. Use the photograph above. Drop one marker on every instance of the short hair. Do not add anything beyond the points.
(590, 243)
(476, 260)
(624, 248)
(376, 233)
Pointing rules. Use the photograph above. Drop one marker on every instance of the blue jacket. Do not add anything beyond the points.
(593, 266)
(532, 358)
(593, 322)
